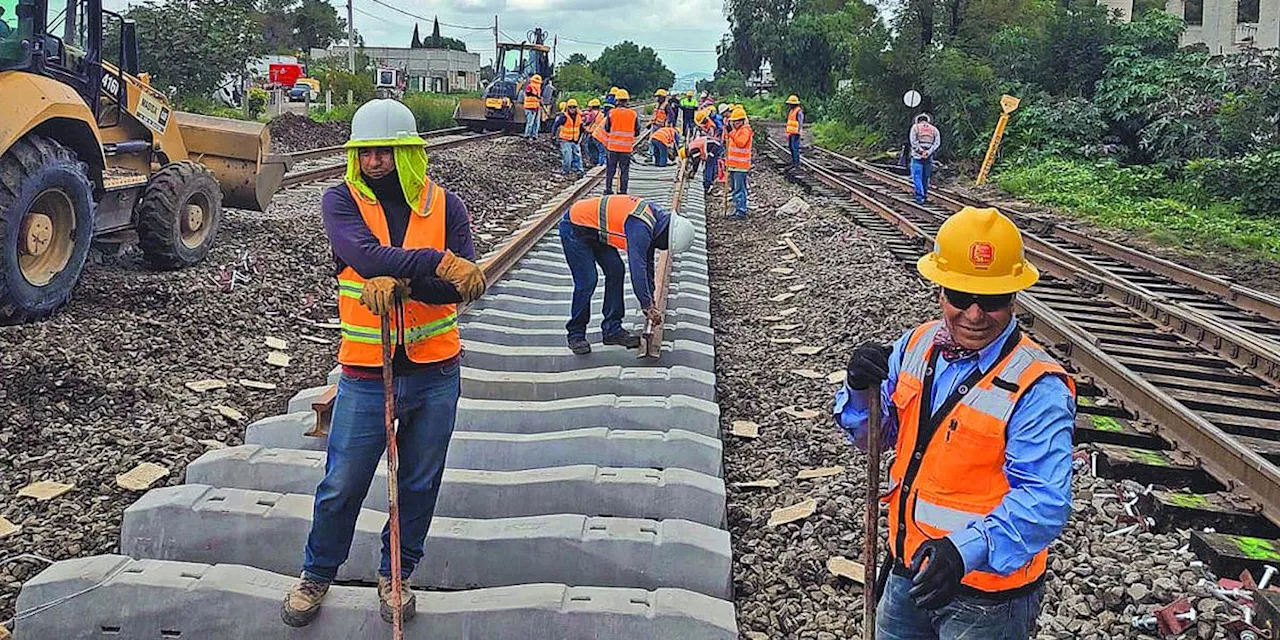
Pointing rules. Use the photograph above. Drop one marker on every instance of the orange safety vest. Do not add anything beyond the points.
(622, 130)
(660, 115)
(665, 135)
(793, 121)
(430, 330)
(533, 100)
(738, 148)
(958, 477)
(608, 215)
(572, 125)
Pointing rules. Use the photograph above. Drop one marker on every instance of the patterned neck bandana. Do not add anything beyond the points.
(947, 347)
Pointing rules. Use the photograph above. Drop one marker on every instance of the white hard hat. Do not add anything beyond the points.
(679, 234)
(384, 123)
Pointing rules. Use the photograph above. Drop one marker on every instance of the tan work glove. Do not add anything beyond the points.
(380, 294)
(463, 274)
(653, 315)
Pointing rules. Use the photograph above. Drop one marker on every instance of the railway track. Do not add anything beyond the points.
(583, 496)
(309, 168)
(1176, 368)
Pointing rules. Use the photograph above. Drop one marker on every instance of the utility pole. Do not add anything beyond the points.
(351, 39)
(496, 61)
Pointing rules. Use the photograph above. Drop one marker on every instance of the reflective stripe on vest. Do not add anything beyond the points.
(430, 330)
(622, 130)
(960, 477)
(925, 134)
(738, 146)
(793, 121)
(660, 115)
(569, 130)
(608, 216)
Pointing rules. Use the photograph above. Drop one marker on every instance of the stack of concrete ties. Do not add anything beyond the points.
(583, 496)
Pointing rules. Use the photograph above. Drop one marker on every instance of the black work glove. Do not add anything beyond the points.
(937, 584)
(868, 365)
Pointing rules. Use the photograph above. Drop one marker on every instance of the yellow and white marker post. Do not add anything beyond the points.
(1008, 104)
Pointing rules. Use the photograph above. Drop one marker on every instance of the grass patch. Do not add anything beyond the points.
(1141, 199)
(431, 111)
(839, 136)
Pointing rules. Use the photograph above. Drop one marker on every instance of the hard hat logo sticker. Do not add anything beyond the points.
(982, 254)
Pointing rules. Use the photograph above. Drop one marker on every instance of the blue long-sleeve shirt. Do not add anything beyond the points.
(1037, 458)
(640, 251)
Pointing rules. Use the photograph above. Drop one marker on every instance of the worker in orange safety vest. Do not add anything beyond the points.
(663, 144)
(795, 122)
(738, 141)
(981, 419)
(533, 106)
(569, 128)
(622, 127)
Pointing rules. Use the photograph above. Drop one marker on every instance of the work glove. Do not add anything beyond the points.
(868, 365)
(937, 583)
(380, 294)
(653, 315)
(463, 274)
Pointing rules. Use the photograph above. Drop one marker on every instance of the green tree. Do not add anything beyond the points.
(639, 70)
(576, 77)
(191, 44)
(578, 59)
(316, 26)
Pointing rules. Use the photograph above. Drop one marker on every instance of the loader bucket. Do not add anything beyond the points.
(470, 113)
(238, 153)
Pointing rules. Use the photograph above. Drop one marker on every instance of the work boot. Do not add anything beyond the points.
(624, 338)
(302, 603)
(408, 602)
(579, 346)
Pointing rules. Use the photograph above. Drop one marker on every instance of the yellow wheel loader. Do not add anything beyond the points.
(89, 150)
(502, 107)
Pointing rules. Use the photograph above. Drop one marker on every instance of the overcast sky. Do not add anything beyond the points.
(683, 32)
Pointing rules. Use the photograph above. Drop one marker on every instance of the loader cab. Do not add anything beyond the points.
(17, 23)
(516, 64)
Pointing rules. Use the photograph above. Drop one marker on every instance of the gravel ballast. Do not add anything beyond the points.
(856, 291)
(101, 386)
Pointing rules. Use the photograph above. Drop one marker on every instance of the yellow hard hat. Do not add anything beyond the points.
(561, 106)
(660, 92)
(613, 91)
(738, 113)
(793, 99)
(594, 102)
(622, 94)
(978, 251)
(536, 78)
(682, 153)
(700, 116)
(689, 93)
(573, 102)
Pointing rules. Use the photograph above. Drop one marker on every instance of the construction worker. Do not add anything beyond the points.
(706, 101)
(713, 149)
(569, 132)
(533, 106)
(600, 136)
(661, 114)
(612, 96)
(981, 420)
(704, 149)
(622, 126)
(688, 105)
(925, 140)
(592, 232)
(795, 122)
(396, 237)
(663, 144)
(591, 120)
(738, 141)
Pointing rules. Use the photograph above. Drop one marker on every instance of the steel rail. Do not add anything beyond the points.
(334, 170)
(312, 154)
(1247, 349)
(1234, 294)
(1222, 455)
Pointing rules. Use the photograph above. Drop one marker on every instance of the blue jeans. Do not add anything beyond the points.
(793, 141)
(618, 162)
(570, 156)
(532, 122)
(738, 182)
(659, 152)
(583, 252)
(713, 167)
(965, 618)
(921, 172)
(426, 405)
(602, 153)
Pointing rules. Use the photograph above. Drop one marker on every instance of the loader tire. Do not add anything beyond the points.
(179, 215)
(46, 227)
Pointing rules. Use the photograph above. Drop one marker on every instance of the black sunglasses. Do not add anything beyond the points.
(988, 303)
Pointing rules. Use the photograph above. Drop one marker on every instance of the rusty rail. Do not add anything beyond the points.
(334, 170)
(312, 154)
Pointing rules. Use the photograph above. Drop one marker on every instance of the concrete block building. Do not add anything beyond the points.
(433, 70)
(1227, 25)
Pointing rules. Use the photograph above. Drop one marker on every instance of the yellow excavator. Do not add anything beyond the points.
(501, 107)
(89, 150)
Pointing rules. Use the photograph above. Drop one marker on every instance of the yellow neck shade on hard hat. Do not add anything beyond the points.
(411, 167)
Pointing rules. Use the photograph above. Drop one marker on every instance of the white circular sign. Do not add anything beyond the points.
(911, 98)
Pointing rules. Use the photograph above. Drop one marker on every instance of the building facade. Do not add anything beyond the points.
(431, 70)
(1226, 26)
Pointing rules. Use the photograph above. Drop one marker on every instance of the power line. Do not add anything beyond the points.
(667, 49)
(424, 18)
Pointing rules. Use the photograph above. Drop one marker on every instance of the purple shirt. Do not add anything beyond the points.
(354, 244)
